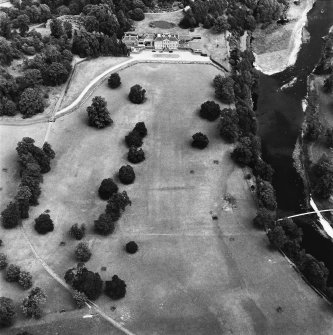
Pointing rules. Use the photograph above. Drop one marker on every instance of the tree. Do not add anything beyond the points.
(80, 299)
(31, 102)
(133, 139)
(77, 232)
(291, 229)
(135, 155)
(264, 219)
(131, 247)
(315, 272)
(224, 89)
(229, 129)
(44, 224)
(328, 84)
(82, 252)
(242, 155)
(7, 107)
(25, 279)
(23, 23)
(277, 237)
(11, 217)
(114, 80)
(263, 170)
(126, 174)
(329, 137)
(7, 312)
(137, 14)
(30, 78)
(88, 282)
(13, 273)
(265, 194)
(68, 28)
(116, 288)
(200, 141)
(31, 304)
(55, 74)
(3, 261)
(137, 94)
(48, 150)
(98, 114)
(107, 188)
(117, 203)
(141, 129)
(56, 27)
(23, 201)
(210, 110)
(104, 225)
(322, 177)
(221, 24)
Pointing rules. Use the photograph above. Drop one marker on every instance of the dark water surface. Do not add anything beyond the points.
(280, 118)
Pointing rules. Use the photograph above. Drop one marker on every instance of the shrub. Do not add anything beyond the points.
(114, 80)
(98, 114)
(141, 129)
(7, 312)
(25, 279)
(126, 174)
(82, 252)
(77, 232)
(3, 261)
(80, 299)
(11, 217)
(44, 224)
(131, 247)
(104, 225)
(210, 110)
(137, 94)
(264, 219)
(133, 139)
(31, 102)
(135, 155)
(116, 288)
(13, 273)
(107, 188)
(200, 141)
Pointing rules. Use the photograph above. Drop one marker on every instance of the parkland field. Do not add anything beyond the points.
(201, 268)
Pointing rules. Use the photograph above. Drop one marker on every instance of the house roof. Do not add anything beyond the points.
(158, 39)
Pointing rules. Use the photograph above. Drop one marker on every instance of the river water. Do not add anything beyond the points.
(280, 116)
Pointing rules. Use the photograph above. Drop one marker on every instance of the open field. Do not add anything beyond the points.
(192, 274)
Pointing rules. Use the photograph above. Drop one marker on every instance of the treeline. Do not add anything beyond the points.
(239, 16)
(34, 162)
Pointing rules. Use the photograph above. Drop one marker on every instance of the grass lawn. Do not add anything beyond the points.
(192, 274)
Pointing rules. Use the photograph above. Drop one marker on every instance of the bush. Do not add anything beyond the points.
(31, 102)
(116, 288)
(82, 252)
(80, 299)
(107, 188)
(13, 273)
(210, 110)
(200, 141)
(77, 232)
(133, 139)
(44, 224)
(114, 80)
(264, 219)
(135, 155)
(126, 174)
(141, 129)
(11, 217)
(7, 312)
(104, 225)
(25, 279)
(98, 114)
(131, 247)
(137, 94)
(3, 261)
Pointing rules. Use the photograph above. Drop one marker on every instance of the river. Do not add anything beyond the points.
(280, 116)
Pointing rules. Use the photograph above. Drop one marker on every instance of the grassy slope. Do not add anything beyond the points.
(192, 274)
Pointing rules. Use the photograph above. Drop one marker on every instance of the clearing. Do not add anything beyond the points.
(192, 274)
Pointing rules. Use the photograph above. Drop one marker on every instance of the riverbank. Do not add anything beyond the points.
(277, 46)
